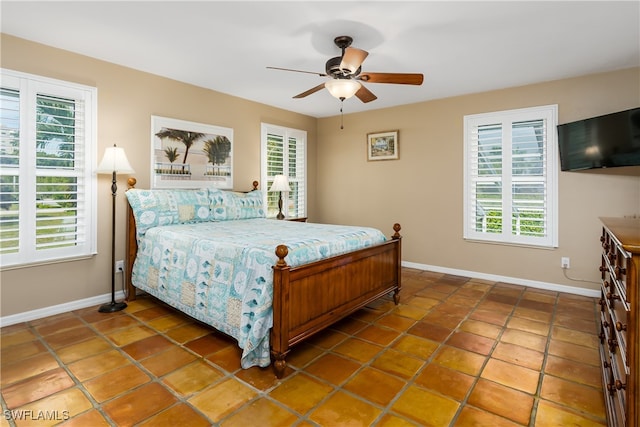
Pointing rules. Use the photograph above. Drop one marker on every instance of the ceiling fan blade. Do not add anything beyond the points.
(397, 78)
(310, 91)
(352, 59)
(298, 71)
(365, 95)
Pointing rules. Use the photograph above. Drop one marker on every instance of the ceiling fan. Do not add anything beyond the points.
(345, 73)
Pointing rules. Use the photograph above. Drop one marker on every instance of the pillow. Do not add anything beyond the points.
(152, 208)
(249, 205)
(222, 206)
(230, 205)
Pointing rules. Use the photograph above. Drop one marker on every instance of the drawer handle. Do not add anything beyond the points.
(612, 345)
(612, 256)
(606, 284)
(605, 324)
(620, 327)
(621, 271)
(620, 385)
(606, 364)
(612, 389)
(613, 296)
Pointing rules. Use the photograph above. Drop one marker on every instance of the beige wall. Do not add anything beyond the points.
(126, 101)
(423, 190)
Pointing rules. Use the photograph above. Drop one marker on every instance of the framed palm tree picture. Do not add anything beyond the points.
(190, 155)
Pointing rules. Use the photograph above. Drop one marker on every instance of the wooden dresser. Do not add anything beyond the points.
(619, 316)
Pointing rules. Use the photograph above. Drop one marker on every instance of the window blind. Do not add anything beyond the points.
(297, 177)
(284, 153)
(511, 177)
(46, 156)
(275, 166)
(10, 171)
(59, 170)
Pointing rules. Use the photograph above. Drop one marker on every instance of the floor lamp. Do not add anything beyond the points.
(114, 161)
(280, 184)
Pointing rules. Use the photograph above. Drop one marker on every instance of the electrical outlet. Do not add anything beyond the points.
(119, 267)
(565, 262)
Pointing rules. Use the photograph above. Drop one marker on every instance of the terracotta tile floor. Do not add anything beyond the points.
(456, 352)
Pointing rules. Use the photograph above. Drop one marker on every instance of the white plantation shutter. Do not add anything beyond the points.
(296, 168)
(511, 177)
(275, 166)
(47, 148)
(284, 153)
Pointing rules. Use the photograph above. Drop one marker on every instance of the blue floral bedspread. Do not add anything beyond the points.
(221, 272)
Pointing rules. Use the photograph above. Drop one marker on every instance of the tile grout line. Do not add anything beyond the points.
(538, 394)
(158, 379)
(300, 370)
(465, 400)
(65, 366)
(152, 377)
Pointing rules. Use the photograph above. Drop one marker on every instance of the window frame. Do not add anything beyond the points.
(31, 87)
(266, 179)
(549, 115)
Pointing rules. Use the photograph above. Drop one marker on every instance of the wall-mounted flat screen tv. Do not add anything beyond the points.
(607, 141)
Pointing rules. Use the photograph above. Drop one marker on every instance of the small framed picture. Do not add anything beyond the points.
(382, 145)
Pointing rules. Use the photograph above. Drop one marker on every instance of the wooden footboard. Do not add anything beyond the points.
(309, 298)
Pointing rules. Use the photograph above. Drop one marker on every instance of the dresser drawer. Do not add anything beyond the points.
(619, 326)
(620, 272)
(618, 413)
(615, 413)
(617, 261)
(619, 371)
(605, 326)
(608, 281)
(610, 337)
(614, 392)
(605, 323)
(610, 341)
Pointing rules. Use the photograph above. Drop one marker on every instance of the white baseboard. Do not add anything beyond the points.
(514, 280)
(57, 309)
(101, 299)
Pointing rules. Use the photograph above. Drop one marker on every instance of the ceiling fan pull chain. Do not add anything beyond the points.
(341, 114)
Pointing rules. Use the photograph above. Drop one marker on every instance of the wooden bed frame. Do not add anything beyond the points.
(311, 297)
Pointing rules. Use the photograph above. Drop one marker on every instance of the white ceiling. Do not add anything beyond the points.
(460, 47)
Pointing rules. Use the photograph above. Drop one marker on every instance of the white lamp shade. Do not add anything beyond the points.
(114, 160)
(280, 183)
(342, 88)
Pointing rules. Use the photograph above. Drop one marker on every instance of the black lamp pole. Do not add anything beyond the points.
(280, 214)
(113, 306)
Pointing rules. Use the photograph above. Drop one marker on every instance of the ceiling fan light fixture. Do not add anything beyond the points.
(342, 88)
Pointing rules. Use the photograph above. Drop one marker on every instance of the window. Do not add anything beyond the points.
(47, 148)
(510, 180)
(284, 152)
